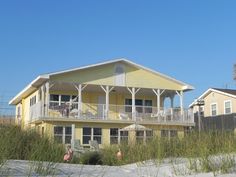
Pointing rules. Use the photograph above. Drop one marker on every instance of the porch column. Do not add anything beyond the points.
(79, 88)
(73, 136)
(172, 106)
(47, 98)
(107, 90)
(158, 94)
(42, 100)
(180, 93)
(133, 91)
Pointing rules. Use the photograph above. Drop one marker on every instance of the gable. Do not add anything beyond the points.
(111, 74)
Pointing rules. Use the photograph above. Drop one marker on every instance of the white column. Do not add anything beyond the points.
(73, 136)
(181, 98)
(47, 98)
(42, 100)
(107, 90)
(79, 88)
(172, 106)
(133, 91)
(158, 94)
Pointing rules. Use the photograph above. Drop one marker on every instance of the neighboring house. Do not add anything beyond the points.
(96, 101)
(216, 102)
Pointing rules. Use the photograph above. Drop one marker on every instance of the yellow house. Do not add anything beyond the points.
(95, 102)
(216, 102)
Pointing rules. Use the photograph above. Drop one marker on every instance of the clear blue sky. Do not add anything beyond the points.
(191, 40)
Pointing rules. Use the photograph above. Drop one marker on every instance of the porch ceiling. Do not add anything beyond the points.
(69, 87)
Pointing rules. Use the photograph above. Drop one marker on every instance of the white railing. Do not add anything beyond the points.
(116, 112)
(35, 111)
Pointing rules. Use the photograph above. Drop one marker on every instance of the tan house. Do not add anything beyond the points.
(216, 102)
(96, 102)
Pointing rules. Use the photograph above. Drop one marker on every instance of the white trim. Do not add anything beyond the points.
(230, 106)
(216, 108)
(211, 90)
(29, 88)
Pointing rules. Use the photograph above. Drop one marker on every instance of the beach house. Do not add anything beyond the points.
(101, 101)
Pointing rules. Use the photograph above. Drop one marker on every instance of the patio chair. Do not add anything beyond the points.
(94, 146)
(123, 116)
(77, 148)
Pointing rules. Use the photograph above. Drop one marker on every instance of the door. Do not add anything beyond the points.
(101, 107)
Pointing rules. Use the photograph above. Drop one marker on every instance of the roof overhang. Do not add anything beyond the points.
(29, 89)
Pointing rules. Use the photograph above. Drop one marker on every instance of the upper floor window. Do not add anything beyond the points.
(227, 107)
(213, 109)
(119, 75)
(32, 100)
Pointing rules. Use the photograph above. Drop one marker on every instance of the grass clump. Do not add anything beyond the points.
(16, 143)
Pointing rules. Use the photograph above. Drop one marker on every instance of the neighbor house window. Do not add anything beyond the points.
(213, 109)
(62, 134)
(228, 107)
(92, 134)
(114, 133)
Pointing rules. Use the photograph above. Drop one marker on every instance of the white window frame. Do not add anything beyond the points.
(230, 106)
(92, 134)
(216, 109)
(63, 132)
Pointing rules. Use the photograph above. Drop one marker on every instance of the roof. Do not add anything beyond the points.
(227, 92)
(43, 78)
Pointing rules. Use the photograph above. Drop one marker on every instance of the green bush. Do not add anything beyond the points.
(91, 158)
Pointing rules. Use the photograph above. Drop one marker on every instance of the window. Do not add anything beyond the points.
(227, 107)
(114, 135)
(97, 135)
(213, 109)
(138, 104)
(139, 136)
(148, 106)
(65, 99)
(124, 136)
(33, 101)
(119, 75)
(149, 134)
(58, 134)
(68, 132)
(86, 135)
(92, 134)
(54, 100)
(164, 133)
(62, 134)
(169, 133)
(173, 133)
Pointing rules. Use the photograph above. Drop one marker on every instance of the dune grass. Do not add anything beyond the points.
(16, 143)
(199, 150)
(191, 146)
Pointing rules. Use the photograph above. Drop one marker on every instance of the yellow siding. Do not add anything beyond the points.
(104, 75)
(143, 79)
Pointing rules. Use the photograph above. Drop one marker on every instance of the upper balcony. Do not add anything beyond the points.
(116, 113)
